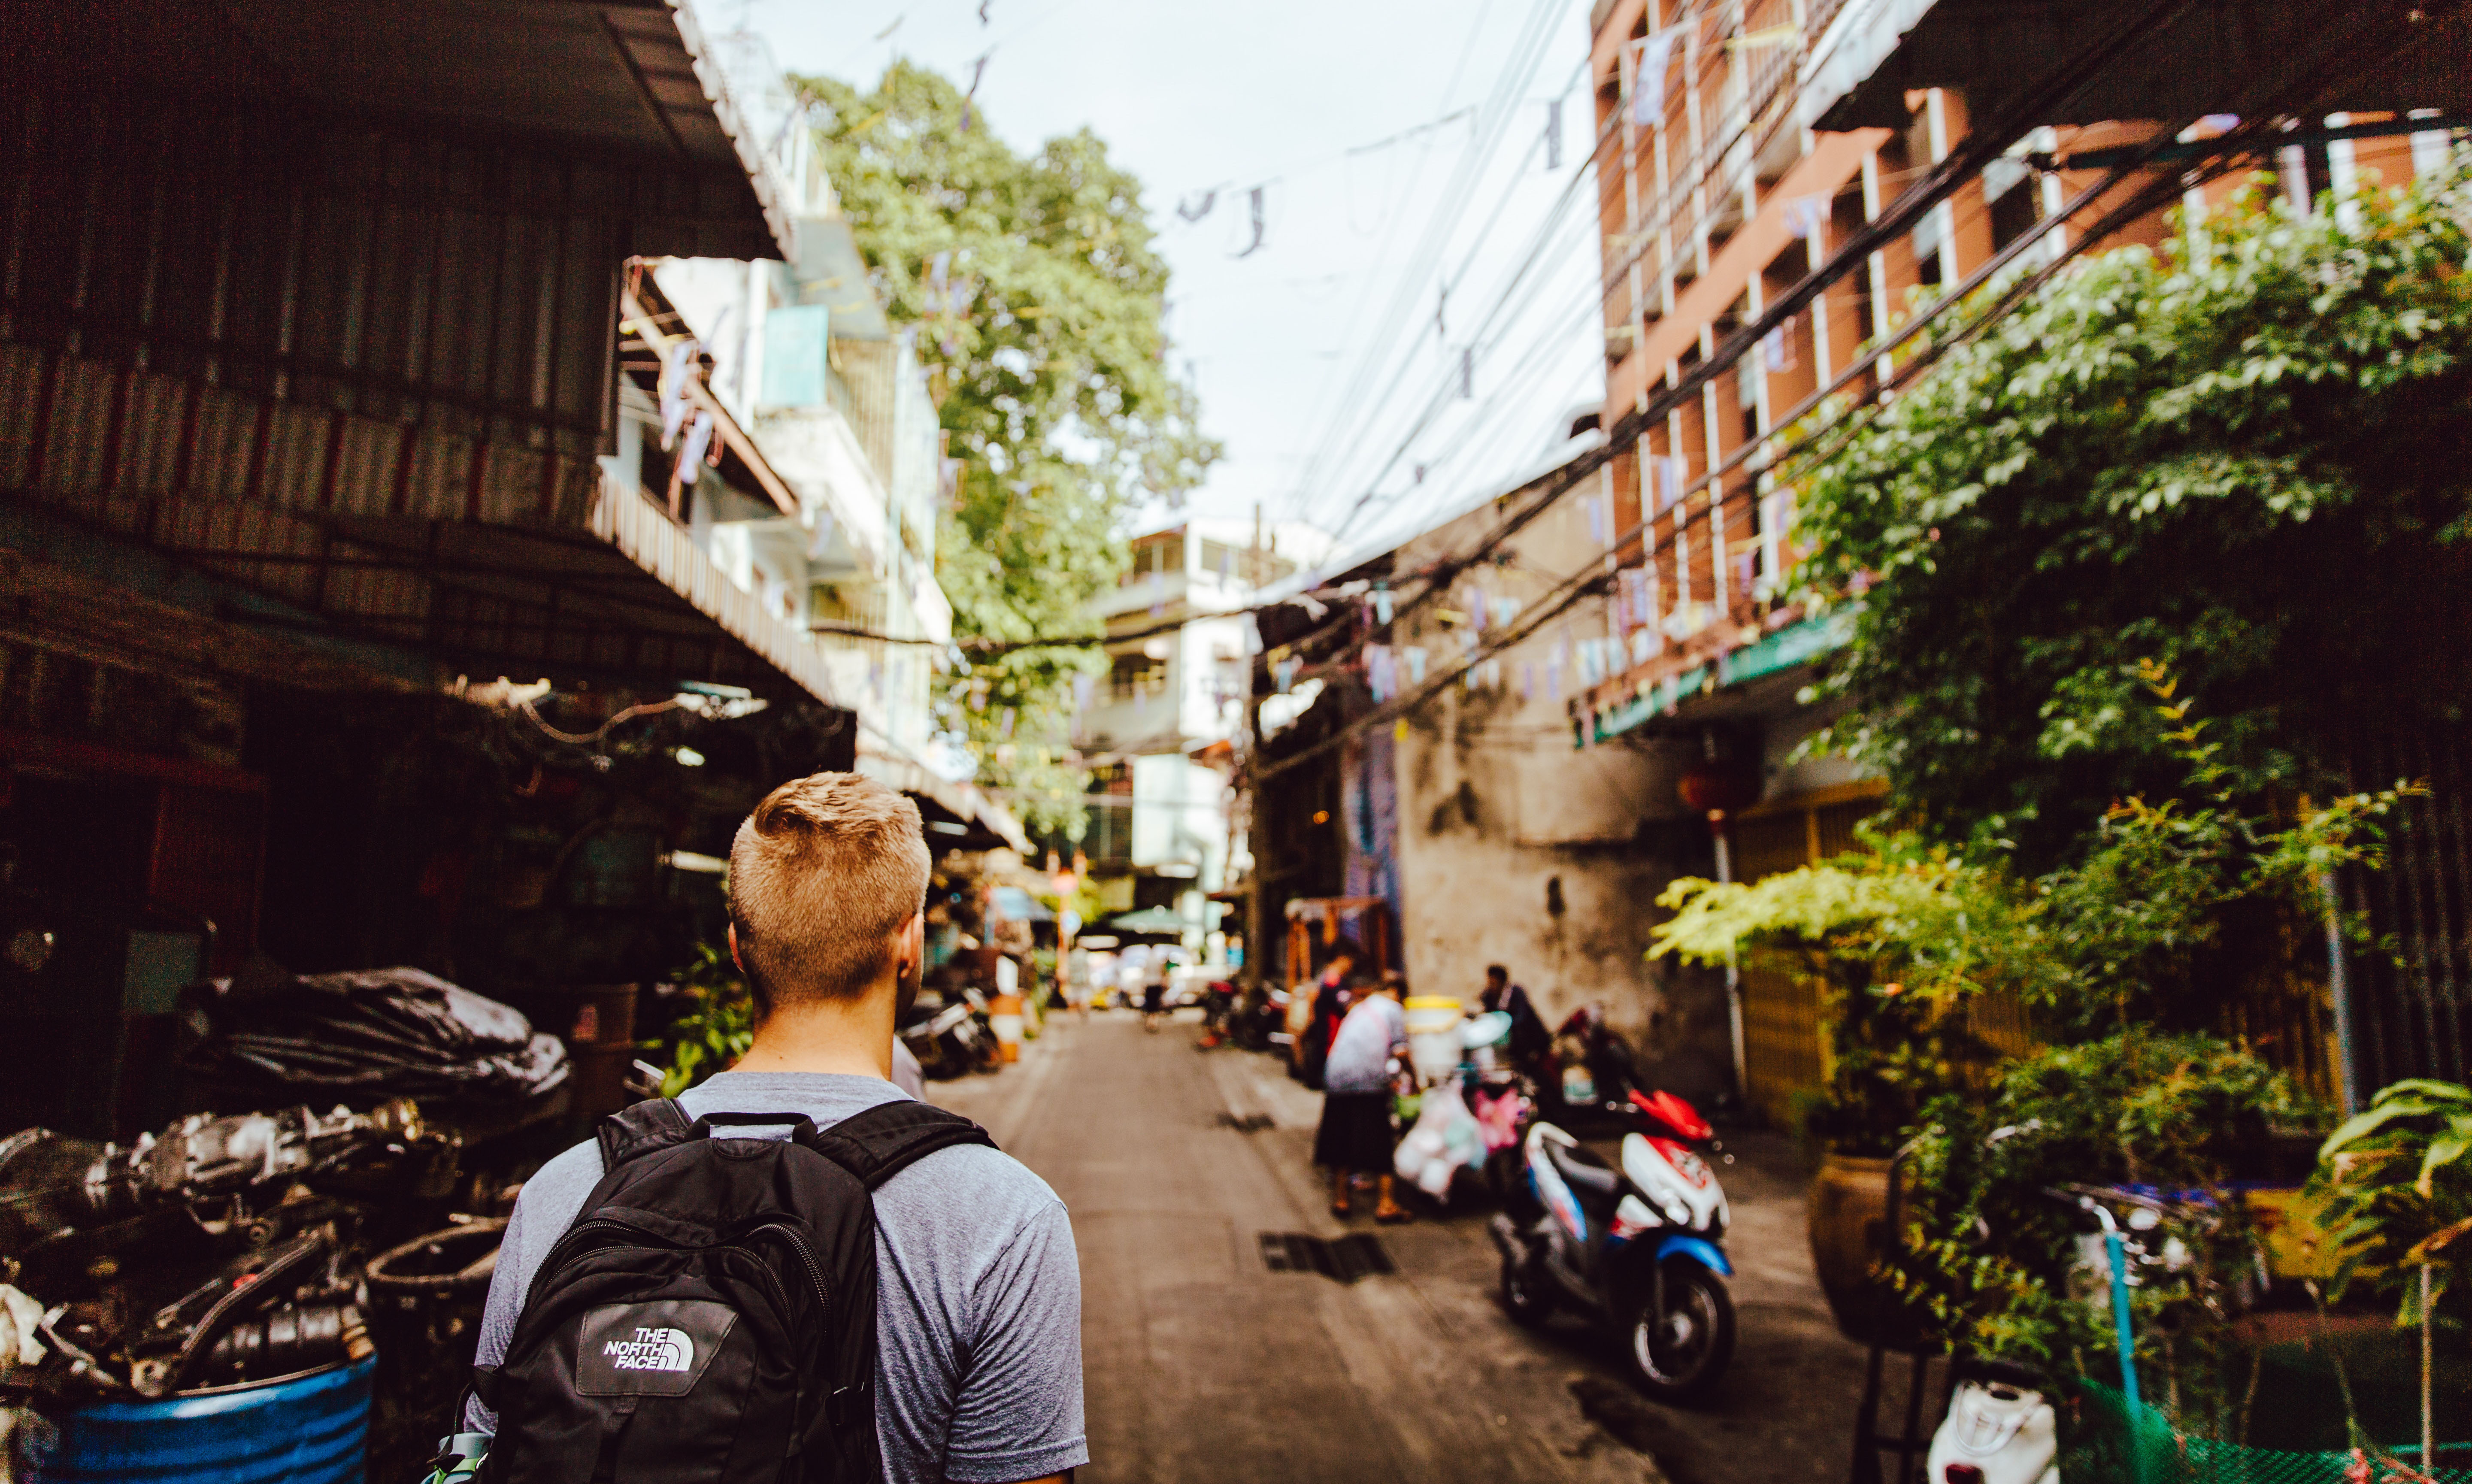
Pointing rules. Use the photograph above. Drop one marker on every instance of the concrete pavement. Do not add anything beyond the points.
(1201, 1364)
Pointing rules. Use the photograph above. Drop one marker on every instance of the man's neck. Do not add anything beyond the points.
(852, 1037)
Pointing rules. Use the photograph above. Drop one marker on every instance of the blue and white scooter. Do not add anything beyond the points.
(1639, 1250)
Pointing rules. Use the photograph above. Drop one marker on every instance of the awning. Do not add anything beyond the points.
(336, 375)
(1875, 51)
(626, 79)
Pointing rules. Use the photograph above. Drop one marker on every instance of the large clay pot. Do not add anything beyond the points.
(1849, 1237)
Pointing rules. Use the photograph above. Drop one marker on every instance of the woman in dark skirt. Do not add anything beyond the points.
(1355, 1133)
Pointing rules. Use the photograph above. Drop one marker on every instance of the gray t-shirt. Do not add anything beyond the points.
(978, 1290)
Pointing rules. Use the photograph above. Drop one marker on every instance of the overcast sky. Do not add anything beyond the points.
(1300, 96)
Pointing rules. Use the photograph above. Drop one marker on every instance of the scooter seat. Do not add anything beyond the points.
(1586, 1173)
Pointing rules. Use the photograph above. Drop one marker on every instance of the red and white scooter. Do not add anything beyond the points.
(1639, 1250)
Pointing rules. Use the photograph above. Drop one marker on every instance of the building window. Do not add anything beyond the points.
(1135, 676)
(1243, 564)
(1156, 556)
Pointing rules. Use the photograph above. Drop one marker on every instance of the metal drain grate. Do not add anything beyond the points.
(1344, 1261)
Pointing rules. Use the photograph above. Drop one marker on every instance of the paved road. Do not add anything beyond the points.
(1204, 1365)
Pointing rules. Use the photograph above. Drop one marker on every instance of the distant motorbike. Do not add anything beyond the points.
(1638, 1250)
(952, 1037)
(1589, 1074)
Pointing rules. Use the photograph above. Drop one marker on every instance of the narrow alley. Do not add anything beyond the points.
(1201, 1364)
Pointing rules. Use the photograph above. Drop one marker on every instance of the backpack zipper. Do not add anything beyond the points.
(806, 1257)
(788, 1234)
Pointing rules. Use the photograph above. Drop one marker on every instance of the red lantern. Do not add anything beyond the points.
(1716, 788)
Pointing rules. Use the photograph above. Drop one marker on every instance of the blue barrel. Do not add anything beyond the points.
(311, 1430)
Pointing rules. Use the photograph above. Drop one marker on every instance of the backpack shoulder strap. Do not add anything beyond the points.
(653, 1124)
(887, 1138)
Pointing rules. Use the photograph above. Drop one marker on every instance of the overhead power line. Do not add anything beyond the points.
(2257, 134)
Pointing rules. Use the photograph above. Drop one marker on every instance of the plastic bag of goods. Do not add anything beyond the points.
(1445, 1137)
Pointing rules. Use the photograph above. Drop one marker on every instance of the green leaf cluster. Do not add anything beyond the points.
(716, 1028)
(2229, 454)
(2398, 1190)
(1042, 338)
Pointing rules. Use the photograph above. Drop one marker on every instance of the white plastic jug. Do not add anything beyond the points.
(1995, 1433)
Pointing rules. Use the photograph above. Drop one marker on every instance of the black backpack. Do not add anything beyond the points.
(710, 1316)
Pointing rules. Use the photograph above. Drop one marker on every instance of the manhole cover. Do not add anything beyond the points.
(1345, 1259)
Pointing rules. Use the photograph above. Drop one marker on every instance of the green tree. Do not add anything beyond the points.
(1035, 294)
(2238, 455)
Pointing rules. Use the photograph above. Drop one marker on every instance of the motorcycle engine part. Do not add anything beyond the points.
(296, 1337)
(283, 1271)
(457, 1261)
(203, 1156)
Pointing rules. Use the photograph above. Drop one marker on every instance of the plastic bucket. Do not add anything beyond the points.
(1433, 1041)
(311, 1428)
(1004, 1015)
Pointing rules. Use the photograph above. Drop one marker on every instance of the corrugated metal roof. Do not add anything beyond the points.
(625, 82)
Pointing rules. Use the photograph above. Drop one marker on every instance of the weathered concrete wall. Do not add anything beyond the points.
(1515, 847)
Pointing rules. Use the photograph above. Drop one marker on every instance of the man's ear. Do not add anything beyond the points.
(733, 949)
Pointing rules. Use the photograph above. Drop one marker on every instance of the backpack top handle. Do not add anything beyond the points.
(661, 1123)
(801, 1127)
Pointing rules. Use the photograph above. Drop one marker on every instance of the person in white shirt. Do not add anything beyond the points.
(1355, 1133)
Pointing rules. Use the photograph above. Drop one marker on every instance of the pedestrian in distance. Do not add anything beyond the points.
(1530, 1040)
(794, 1258)
(1155, 999)
(1355, 1133)
(1330, 996)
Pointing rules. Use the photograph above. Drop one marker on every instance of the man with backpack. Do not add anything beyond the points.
(794, 1272)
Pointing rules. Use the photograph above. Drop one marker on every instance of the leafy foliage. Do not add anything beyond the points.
(1035, 294)
(1887, 937)
(2200, 455)
(1902, 935)
(715, 1030)
(2398, 1188)
(1994, 1258)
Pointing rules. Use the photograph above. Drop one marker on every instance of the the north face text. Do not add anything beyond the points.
(657, 1349)
(653, 1349)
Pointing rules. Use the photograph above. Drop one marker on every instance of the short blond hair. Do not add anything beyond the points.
(822, 876)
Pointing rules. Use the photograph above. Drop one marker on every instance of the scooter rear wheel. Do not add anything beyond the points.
(1680, 1352)
(1527, 1296)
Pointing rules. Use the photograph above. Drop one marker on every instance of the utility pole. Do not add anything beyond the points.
(1249, 773)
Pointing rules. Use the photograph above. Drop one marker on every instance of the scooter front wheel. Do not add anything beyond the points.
(1680, 1353)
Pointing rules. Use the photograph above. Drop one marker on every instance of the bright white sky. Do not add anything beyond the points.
(1297, 96)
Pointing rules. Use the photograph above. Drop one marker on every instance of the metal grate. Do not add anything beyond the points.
(2411, 1004)
(1345, 1259)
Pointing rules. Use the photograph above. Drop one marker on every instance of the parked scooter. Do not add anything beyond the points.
(953, 1039)
(1638, 1250)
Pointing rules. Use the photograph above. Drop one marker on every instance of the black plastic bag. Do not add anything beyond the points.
(395, 1032)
